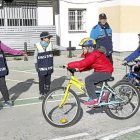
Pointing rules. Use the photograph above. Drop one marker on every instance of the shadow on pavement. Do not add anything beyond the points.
(96, 110)
(20, 88)
(58, 82)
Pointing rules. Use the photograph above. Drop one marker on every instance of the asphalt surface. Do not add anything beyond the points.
(25, 120)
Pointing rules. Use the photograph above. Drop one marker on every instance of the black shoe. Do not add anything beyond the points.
(111, 79)
(41, 97)
(50, 97)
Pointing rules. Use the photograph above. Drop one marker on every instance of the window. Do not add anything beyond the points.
(77, 20)
(18, 14)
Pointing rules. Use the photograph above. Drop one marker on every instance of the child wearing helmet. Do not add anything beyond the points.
(94, 59)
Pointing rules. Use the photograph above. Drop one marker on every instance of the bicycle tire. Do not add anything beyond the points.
(107, 98)
(73, 120)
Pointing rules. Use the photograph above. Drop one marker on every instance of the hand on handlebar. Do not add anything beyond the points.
(65, 66)
(76, 69)
(124, 63)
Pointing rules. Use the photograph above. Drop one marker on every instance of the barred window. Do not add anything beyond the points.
(77, 20)
(18, 14)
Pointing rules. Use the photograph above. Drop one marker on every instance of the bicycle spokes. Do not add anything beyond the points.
(64, 114)
(130, 101)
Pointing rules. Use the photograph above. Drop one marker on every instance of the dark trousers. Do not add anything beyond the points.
(110, 58)
(95, 78)
(3, 89)
(44, 83)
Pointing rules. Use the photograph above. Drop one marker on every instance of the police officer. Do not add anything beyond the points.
(102, 33)
(43, 59)
(4, 71)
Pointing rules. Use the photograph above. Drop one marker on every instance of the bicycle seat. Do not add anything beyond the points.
(108, 80)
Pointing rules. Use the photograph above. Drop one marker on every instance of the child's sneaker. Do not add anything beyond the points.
(104, 96)
(93, 102)
(41, 97)
(9, 103)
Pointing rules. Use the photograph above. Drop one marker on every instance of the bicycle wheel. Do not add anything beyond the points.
(127, 109)
(61, 116)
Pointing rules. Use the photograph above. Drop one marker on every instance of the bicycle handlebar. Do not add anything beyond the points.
(136, 61)
(70, 70)
(131, 65)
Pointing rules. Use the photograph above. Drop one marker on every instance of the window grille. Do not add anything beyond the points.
(18, 14)
(77, 20)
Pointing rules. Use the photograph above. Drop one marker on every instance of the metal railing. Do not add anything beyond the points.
(15, 36)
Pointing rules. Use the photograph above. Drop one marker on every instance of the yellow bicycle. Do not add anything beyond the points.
(61, 106)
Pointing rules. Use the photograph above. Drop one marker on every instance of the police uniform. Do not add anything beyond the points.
(103, 36)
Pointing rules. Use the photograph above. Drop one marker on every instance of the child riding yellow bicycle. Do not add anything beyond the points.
(95, 59)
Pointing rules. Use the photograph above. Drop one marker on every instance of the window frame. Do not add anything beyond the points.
(83, 23)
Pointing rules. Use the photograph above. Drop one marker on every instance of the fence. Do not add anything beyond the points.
(14, 37)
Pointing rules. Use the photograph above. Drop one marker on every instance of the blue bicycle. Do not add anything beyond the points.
(131, 77)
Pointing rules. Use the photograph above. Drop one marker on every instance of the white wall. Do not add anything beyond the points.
(91, 20)
(45, 16)
(123, 41)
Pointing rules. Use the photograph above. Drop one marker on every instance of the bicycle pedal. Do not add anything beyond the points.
(89, 106)
(96, 106)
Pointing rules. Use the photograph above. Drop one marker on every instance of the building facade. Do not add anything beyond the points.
(74, 20)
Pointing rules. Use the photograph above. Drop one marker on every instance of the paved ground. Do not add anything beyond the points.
(25, 121)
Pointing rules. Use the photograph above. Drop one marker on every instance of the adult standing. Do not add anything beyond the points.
(102, 33)
(4, 71)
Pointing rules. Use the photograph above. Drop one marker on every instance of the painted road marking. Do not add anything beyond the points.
(30, 70)
(71, 136)
(121, 133)
(22, 105)
(32, 101)
(54, 68)
(36, 73)
(21, 81)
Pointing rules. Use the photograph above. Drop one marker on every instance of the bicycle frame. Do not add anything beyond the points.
(81, 87)
(133, 75)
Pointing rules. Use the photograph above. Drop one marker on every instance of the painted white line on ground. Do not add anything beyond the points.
(31, 82)
(23, 71)
(71, 136)
(21, 81)
(22, 105)
(32, 73)
(121, 133)
(30, 70)
(30, 98)
(36, 73)
(54, 69)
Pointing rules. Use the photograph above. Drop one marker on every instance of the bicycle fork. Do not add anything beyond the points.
(66, 96)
